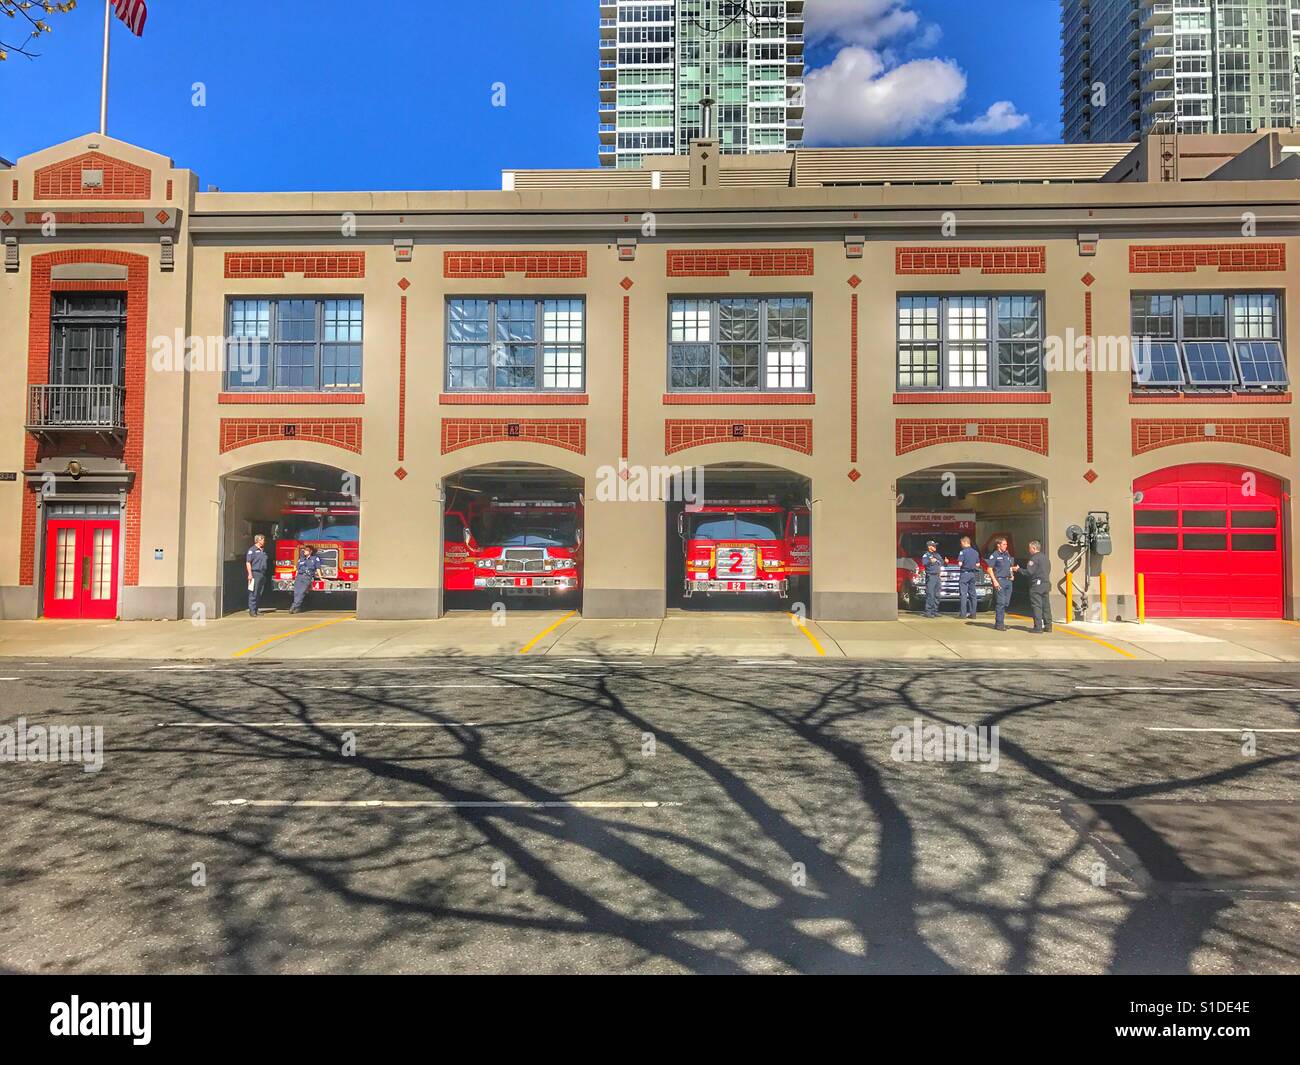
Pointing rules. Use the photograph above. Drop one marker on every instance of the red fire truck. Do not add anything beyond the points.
(735, 548)
(915, 529)
(515, 547)
(333, 529)
(798, 544)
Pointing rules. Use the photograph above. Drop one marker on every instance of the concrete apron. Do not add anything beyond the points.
(327, 637)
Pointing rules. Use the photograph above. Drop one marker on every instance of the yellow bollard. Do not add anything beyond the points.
(1104, 615)
(1142, 598)
(1069, 598)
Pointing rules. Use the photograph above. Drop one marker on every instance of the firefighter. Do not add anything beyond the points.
(969, 561)
(308, 566)
(255, 563)
(1039, 569)
(932, 563)
(1002, 567)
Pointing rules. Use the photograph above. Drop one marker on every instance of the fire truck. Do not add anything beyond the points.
(798, 544)
(736, 548)
(915, 529)
(527, 547)
(333, 529)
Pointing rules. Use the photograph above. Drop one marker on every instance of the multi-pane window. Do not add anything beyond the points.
(516, 344)
(752, 343)
(86, 340)
(1213, 340)
(294, 345)
(964, 342)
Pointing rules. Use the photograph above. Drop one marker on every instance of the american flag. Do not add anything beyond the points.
(133, 13)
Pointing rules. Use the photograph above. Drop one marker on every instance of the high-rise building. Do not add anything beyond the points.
(660, 58)
(1131, 67)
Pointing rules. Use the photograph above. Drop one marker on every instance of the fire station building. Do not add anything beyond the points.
(1023, 335)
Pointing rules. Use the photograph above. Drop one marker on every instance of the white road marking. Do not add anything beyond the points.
(1244, 728)
(1093, 688)
(8, 678)
(391, 687)
(412, 804)
(318, 724)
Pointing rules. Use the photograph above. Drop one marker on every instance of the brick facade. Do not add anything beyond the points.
(1187, 258)
(794, 434)
(63, 180)
(912, 434)
(1270, 434)
(342, 433)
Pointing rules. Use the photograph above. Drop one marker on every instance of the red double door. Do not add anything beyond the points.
(1210, 541)
(81, 563)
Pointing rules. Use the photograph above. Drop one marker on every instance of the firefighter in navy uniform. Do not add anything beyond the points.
(255, 563)
(932, 564)
(308, 566)
(1003, 568)
(1038, 567)
(969, 561)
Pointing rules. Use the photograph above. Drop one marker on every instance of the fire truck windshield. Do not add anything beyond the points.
(914, 544)
(736, 527)
(319, 527)
(531, 530)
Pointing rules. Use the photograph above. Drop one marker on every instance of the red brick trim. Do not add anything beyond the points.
(288, 399)
(253, 265)
(1087, 376)
(988, 260)
(512, 399)
(912, 434)
(343, 433)
(122, 180)
(759, 262)
(401, 384)
(87, 218)
(567, 433)
(853, 377)
(739, 399)
(1271, 434)
(136, 287)
(627, 368)
(15, 189)
(1186, 258)
(795, 433)
(1180, 398)
(902, 399)
(168, 197)
(99, 285)
(496, 264)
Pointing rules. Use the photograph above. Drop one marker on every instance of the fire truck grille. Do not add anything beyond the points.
(737, 563)
(523, 560)
(329, 562)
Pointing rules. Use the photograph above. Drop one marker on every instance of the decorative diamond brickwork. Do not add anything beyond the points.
(939, 261)
(1091, 476)
(912, 434)
(273, 264)
(1088, 280)
(627, 284)
(6, 218)
(795, 434)
(400, 473)
(1186, 258)
(343, 433)
(758, 262)
(855, 281)
(122, 180)
(1271, 434)
(567, 433)
(497, 264)
(854, 476)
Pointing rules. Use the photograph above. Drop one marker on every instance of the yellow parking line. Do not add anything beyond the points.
(1060, 627)
(802, 626)
(295, 632)
(549, 629)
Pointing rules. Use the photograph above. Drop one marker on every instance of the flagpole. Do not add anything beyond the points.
(103, 86)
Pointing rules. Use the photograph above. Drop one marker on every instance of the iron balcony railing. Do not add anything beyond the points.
(76, 407)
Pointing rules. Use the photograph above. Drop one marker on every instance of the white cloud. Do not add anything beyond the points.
(1001, 117)
(859, 22)
(860, 99)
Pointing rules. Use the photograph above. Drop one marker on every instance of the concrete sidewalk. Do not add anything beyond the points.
(333, 637)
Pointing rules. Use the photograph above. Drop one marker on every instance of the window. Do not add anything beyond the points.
(970, 342)
(740, 343)
(294, 345)
(86, 340)
(1212, 340)
(516, 344)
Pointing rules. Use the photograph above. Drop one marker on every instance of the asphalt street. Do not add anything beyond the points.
(654, 815)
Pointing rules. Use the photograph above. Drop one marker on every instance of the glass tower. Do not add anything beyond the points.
(658, 60)
(1135, 67)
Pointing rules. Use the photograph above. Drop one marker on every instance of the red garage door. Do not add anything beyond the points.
(1209, 540)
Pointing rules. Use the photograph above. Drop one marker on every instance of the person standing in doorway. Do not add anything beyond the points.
(1002, 567)
(308, 567)
(1038, 567)
(255, 562)
(969, 561)
(932, 564)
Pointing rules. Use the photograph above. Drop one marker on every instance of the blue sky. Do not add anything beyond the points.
(304, 94)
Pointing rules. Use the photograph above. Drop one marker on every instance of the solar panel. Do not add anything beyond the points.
(1209, 363)
(1156, 362)
(1261, 362)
